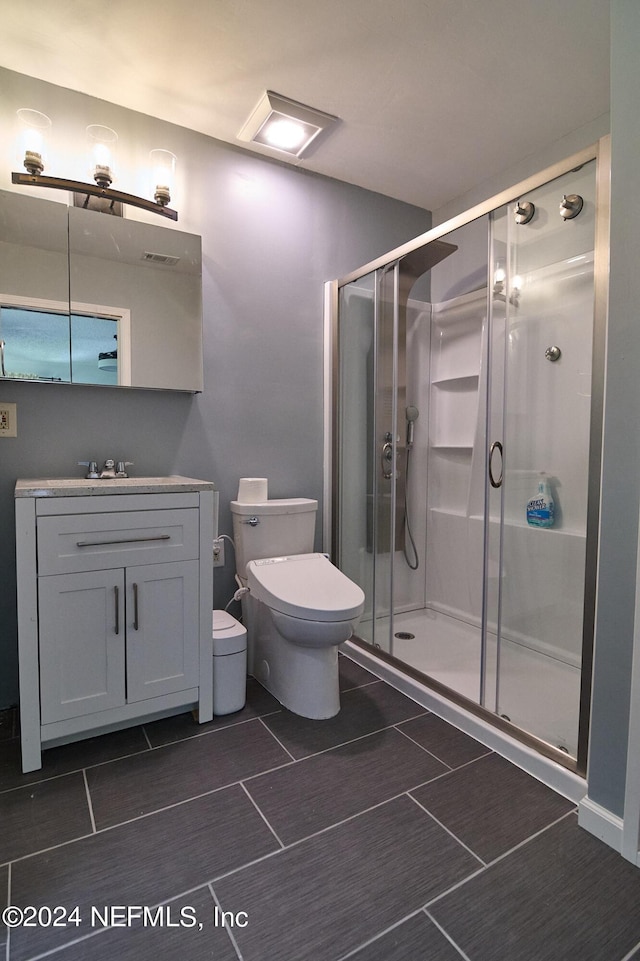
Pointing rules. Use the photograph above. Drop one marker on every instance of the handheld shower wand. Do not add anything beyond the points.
(412, 414)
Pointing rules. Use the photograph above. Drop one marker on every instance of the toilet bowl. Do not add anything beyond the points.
(301, 608)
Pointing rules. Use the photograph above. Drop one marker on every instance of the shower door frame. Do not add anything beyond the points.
(599, 152)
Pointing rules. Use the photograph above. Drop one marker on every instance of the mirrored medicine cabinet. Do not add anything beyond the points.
(89, 298)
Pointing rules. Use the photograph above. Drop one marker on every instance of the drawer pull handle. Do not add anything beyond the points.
(136, 619)
(117, 599)
(123, 540)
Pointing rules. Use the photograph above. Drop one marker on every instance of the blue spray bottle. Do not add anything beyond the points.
(541, 508)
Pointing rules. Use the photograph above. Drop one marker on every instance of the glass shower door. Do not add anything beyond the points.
(384, 455)
(354, 430)
(540, 426)
(368, 370)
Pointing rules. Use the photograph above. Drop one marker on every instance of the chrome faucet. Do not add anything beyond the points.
(110, 469)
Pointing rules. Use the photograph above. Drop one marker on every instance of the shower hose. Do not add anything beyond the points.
(408, 536)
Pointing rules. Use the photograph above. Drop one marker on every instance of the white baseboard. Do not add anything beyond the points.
(601, 823)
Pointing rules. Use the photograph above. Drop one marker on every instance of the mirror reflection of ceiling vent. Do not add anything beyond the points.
(166, 259)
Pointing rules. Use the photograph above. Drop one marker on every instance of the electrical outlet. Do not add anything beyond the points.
(8, 420)
(218, 552)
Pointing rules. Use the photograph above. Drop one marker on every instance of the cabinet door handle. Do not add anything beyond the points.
(116, 592)
(136, 619)
(123, 540)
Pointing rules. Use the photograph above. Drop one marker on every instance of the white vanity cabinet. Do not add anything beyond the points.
(114, 605)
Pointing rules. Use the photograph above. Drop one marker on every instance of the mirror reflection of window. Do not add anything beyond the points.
(49, 345)
(94, 350)
(36, 344)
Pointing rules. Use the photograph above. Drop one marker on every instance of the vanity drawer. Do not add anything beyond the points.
(94, 542)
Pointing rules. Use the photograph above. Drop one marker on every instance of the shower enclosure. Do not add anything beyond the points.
(467, 383)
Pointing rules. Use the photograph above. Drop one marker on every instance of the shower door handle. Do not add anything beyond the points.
(495, 446)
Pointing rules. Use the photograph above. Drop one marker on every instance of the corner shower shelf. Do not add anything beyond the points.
(454, 411)
(460, 382)
(464, 447)
(448, 512)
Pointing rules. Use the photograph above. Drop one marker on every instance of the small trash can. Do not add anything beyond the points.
(229, 663)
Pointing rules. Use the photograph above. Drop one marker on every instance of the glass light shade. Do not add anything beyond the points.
(34, 129)
(163, 174)
(102, 143)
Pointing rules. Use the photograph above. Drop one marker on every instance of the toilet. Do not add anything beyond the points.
(299, 606)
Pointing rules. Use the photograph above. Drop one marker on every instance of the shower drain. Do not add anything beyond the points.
(404, 636)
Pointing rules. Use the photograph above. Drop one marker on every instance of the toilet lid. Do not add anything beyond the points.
(307, 586)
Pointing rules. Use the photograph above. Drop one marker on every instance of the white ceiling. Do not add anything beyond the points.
(434, 96)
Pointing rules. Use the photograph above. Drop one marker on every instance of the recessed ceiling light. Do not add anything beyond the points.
(284, 124)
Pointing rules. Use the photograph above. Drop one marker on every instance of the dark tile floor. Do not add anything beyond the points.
(384, 834)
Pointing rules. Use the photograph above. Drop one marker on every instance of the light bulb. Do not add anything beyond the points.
(163, 170)
(285, 134)
(102, 143)
(34, 128)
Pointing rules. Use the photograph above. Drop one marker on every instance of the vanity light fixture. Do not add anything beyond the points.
(285, 125)
(102, 142)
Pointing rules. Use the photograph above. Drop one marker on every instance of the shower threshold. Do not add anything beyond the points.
(442, 655)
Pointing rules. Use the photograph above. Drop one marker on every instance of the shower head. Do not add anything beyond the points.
(412, 413)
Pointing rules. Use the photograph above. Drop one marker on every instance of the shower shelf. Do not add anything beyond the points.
(449, 512)
(556, 531)
(462, 381)
(465, 447)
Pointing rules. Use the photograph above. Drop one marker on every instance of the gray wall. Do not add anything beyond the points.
(271, 236)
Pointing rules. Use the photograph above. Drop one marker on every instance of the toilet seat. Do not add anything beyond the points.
(306, 586)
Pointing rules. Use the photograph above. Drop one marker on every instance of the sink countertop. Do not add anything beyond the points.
(76, 486)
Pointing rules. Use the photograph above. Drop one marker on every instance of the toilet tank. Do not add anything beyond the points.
(275, 528)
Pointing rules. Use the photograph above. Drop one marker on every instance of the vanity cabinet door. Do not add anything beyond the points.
(82, 647)
(163, 640)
